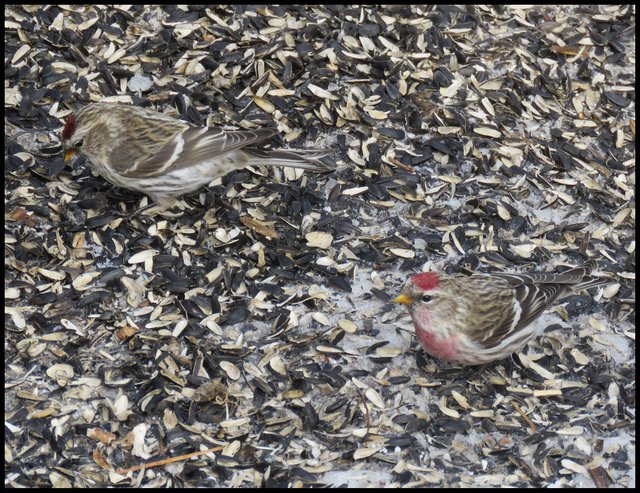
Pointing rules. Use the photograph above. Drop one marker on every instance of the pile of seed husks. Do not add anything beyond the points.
(253, 318)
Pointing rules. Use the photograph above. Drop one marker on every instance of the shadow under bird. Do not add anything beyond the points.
(472, 320)
(152, 153)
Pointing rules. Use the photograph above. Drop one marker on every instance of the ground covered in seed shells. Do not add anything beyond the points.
(254, 318)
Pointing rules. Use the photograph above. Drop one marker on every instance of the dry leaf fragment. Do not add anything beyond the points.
(101, 435)
(259, 227)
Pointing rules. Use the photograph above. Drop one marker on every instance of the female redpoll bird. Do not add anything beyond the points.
(471, 320)
(160, 156)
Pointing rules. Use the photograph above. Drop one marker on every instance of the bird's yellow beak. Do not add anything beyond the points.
(404, 299)
(69, 153)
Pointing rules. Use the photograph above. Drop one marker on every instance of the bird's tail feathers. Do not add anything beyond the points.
(308, 159)
(587, 281)
(576, 278)
(584, 269)
(591, 282)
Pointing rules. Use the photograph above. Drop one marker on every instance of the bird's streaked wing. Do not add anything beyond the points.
(193, 146)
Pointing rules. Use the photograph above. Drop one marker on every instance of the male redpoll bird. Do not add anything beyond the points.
(471, 320)
(147, 151)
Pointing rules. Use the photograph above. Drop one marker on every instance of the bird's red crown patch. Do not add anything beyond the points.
(69, 127)
(426, 280)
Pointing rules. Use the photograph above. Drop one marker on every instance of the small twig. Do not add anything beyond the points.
(11, 385)
(169, 460)
(366, 409)
(524, 416)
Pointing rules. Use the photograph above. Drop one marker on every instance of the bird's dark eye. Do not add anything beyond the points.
(427, 298)
(79, 143)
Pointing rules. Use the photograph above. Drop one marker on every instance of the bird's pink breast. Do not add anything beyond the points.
(437, 341)
(445, 348)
